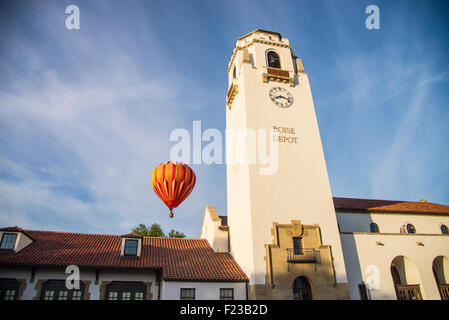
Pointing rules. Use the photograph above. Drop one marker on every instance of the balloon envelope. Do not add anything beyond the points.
(173, 182)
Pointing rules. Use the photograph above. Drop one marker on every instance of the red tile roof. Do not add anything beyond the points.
(179, 259)
(389, 206)
(380, 206)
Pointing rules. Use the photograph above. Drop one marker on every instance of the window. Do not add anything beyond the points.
(76, 295)
(297, 246)
(301, 289)
(8, 241)
(234, 73)
(10, 294)
(411, 228)
(187, 294)
(9, 289)
(49, 295)
(374, 227)
(119, 290)
(113, 295)
(131, 247)
(444, 229)
(273, 60)
(57, 290)
(227, 294)
(139, 296)
(63, 295)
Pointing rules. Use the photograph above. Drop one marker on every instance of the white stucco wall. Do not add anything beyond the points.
(361, 252)
(171, 290)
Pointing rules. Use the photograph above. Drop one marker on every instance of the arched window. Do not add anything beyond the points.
(273, 60)
(411, 228)
(234, 73)
(301, 289)
(440, 268)
(374, 227)
(444, 229)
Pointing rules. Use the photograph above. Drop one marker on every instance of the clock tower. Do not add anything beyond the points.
(282, 223)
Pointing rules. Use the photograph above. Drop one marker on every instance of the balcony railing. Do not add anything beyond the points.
(444, 291)
(278, 75)
(408, 292)
(304, 256)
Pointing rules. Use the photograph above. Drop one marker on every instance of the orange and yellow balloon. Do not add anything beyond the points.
(173, 182)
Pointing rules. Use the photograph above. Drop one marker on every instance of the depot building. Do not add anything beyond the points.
(323, 247)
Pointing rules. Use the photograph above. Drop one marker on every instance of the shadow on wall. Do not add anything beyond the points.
(352, 263)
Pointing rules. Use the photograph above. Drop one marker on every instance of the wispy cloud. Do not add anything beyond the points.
(86, 115)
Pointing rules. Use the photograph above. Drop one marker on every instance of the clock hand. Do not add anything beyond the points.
(281, 97)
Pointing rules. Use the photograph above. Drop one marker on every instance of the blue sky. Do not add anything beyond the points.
(85, 115)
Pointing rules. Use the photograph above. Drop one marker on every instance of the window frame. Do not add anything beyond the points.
(443, 226)
(222, 297)
(3, 239)
(137, 247)
(181, 290)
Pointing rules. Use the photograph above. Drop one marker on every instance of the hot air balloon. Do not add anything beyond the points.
(173, 182)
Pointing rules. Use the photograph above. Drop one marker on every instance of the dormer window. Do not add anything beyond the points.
(273, 60)
(131, 247)
(8, 241)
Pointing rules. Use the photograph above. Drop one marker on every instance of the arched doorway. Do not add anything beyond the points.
(440, 268)
(406, 279)
(302, 289)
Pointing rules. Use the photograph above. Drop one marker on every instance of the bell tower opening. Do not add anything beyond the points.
(273, 60)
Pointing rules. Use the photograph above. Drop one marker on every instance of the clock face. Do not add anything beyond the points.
(281, 97)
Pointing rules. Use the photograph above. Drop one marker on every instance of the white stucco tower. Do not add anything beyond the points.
(268, 89)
